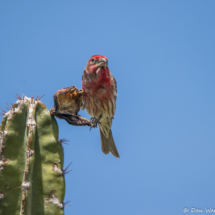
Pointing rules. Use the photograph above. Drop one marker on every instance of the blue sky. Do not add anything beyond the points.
(162, 56)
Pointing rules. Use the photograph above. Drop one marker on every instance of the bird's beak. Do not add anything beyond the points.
(102, 62)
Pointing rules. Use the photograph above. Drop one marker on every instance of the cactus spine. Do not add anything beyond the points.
(31, 161)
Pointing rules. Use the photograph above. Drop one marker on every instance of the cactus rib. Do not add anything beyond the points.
(29, 148)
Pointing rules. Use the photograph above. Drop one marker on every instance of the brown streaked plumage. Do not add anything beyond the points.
(100, 92)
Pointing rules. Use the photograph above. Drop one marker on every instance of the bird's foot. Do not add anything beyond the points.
(94, 122)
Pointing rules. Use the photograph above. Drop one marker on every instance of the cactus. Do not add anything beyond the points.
(31, 161)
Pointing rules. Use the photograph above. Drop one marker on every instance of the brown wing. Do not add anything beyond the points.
(114, 88)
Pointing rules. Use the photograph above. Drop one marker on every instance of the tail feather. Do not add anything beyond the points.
(108, 145)
(113, 148)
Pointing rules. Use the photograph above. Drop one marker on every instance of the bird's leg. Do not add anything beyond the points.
(94, 122)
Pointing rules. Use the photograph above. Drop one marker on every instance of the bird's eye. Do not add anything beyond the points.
(92, 60)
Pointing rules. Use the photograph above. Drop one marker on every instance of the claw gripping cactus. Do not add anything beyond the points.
(31, 161)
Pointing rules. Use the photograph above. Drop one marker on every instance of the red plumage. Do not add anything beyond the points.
(100, 92)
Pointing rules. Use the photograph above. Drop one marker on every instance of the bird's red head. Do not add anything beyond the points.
(96, 62)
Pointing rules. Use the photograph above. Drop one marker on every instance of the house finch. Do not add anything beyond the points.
(100, 92)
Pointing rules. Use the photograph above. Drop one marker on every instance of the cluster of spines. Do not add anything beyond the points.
(55, 200)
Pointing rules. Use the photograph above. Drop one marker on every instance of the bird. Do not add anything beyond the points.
(99, 99)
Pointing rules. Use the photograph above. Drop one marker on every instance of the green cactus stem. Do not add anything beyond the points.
(31, 161)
